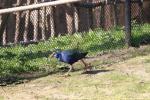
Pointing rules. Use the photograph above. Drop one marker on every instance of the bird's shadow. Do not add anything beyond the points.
(96, 71)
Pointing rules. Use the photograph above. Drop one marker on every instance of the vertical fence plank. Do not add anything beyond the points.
(4, 42)
(69, 19)
(35, 22)
(137, 12)
(43, 17)
(16, 38)
(27, 18)
(17, 24)
(108, 13)
(146, 9)
(121, 14)
(96, 15)
(3, 28)
(76, 19)
(4, 18)
(52, 24)
(4, 37)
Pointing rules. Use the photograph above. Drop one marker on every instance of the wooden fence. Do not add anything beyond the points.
(44, 22)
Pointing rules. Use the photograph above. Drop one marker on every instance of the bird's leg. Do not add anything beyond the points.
(86, 66)
(70, 69)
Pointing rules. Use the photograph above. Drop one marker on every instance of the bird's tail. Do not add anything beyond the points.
(84, 54)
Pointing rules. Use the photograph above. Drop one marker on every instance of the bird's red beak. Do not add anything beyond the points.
(52, 55)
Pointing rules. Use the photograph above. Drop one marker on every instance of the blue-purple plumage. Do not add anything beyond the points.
(70, 56)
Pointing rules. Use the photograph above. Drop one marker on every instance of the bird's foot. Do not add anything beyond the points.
(88, 68)
(66, 75)
(72, 70)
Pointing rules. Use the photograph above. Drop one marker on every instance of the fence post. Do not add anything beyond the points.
(128, 22)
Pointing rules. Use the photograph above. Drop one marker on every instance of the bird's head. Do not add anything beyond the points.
(56, 54)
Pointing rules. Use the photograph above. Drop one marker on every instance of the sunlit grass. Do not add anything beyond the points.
(21, 59)
(1, 98)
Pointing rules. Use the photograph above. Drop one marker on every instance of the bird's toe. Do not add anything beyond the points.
(67, 75)
(89, 67)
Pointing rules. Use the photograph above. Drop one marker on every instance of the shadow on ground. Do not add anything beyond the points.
(23, 78)
(96, 71)
(28, 55)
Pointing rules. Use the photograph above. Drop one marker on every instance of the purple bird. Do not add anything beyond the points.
(71, 56)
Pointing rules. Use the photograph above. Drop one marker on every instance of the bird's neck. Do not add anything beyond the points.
(60, 58)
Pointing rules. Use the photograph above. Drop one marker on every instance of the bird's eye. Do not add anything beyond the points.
(56, 55)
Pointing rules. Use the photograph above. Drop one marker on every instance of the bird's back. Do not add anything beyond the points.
(72, 56)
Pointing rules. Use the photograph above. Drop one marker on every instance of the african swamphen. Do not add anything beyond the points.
(71, 56)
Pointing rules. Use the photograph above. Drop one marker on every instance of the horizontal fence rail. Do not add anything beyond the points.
(35, 6)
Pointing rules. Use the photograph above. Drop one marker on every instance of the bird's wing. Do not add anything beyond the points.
(76, 54)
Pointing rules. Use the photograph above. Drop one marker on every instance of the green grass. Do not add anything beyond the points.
(35, 58)
(1, 98)
(140, 34)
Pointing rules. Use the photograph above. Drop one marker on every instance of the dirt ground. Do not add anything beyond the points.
(121, 74)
